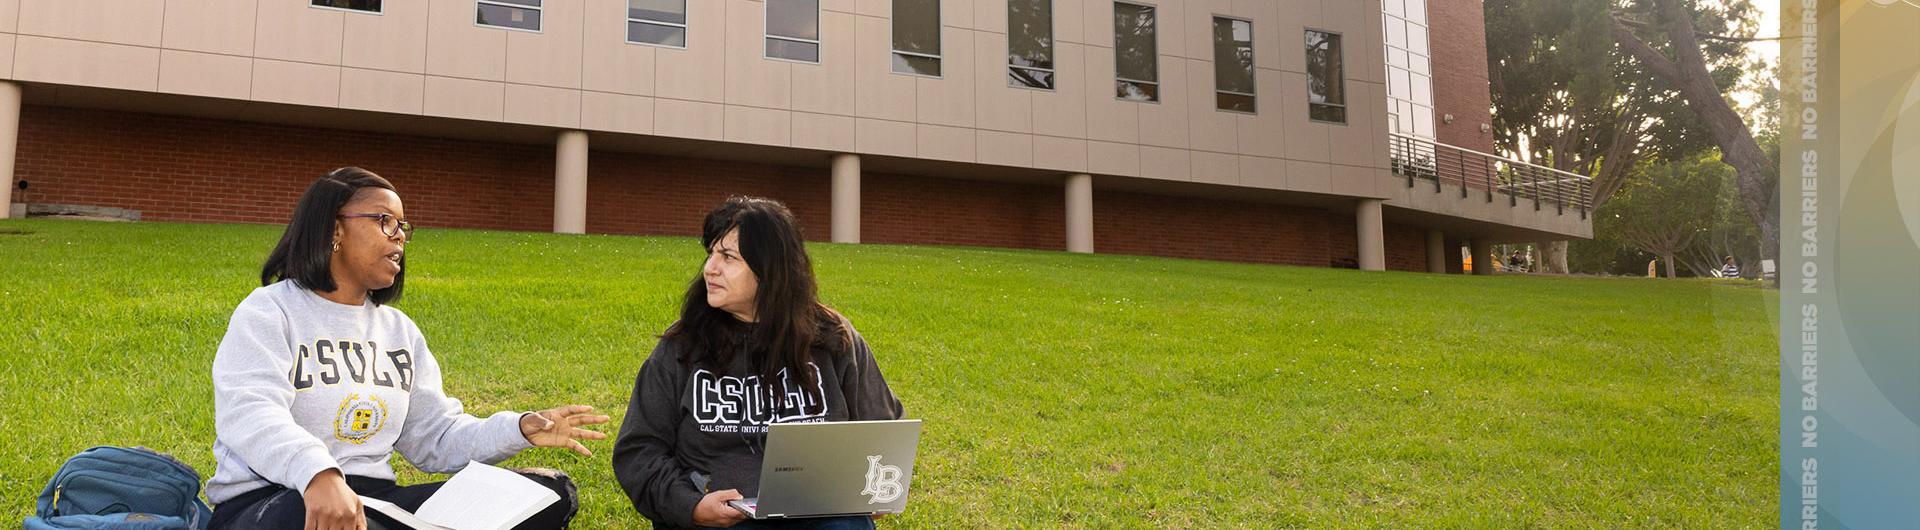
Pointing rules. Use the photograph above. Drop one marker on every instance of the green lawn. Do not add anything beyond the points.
(1059, 390)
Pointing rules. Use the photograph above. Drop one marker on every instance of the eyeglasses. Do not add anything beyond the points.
(389, 225)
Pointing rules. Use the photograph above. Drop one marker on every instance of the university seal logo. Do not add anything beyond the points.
(359, 418)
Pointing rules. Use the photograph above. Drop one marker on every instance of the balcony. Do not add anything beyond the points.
(1421, 162)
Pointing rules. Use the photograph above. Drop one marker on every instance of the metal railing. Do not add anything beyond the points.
(1419, 159)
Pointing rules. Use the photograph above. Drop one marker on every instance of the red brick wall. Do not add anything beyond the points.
(1458, 31)
(184, 169)
(189, 169)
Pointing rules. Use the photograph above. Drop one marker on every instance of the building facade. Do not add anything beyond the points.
(1284, 131)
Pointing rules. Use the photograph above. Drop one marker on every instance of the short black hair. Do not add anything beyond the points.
(305, 252)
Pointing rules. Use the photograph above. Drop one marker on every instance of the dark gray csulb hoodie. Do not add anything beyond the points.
(684, 419)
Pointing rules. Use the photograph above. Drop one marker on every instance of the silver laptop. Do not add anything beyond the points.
(835, 468)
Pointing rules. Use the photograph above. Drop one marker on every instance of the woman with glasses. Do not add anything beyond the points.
(320, 380)
(753, 346)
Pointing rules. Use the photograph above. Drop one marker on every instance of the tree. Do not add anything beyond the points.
(1665, 208)
(1566, 97)
(1665, 37)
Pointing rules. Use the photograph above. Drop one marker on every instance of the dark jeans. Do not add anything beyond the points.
(277, 507)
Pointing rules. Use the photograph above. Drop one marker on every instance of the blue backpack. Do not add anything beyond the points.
(121, 488)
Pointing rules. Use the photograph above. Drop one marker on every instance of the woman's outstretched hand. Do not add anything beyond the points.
(560, 427)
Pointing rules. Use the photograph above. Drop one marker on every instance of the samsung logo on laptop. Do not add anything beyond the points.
(788, 469)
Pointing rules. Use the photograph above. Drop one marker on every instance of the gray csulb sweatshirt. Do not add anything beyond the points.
(302, 384)
(684, 419)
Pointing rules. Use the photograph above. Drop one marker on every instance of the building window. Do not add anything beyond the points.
(1326, 82)
(657, 22)
(1030, 43)
(370, 6)
(916, 37)
(1409, 69)
(1136, 55)
(793, 30)
(1233, 65)
(511, 14)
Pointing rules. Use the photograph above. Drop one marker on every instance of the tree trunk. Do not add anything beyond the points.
(1687, 72)
(1668, 258)
(1553, 257)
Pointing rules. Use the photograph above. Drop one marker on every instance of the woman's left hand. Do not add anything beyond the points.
(559, 427)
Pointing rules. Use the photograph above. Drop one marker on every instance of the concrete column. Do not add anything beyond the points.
(1080, 213)
(1373, 243)
(570, 183)
(1437, 251)
(9, 140)
(1482, 256)
(846, 198)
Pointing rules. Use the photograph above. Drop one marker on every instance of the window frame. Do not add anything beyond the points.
(542, 9)
(380, 12)
(1156, 54)
(685, 31)
(1053, 35)
(1254, 79)
(765, 17)
(1342, 61)
(939, 21)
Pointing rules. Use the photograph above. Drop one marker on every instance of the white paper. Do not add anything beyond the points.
(483, 497)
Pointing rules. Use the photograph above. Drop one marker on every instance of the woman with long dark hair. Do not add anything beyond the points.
(754, 346)
(319, 381)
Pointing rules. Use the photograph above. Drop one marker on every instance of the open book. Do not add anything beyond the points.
(480, 497)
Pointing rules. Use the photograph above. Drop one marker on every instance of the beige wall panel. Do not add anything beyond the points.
(602, 111)
(1306, 140)
(881, 93)
(873, 8)
(1262, 172)
(1096, 23)
(9, 16)
(1166, 164)
(383, 91)
(949, 100)
(1000, 107)
(1295, 16)
(1063, 110)
(1211, 129)
(1108, 118)
(1313, 177)
(1356, 181)
(947, 143)
(1111, 158)
(205, 74)
(1070, 21)
(829, 87)
(541, 105)
(825, 132)
(1265, 134)
(1214, 168)
(465, 98)
(697, 73)
(297, 83)
(1005, 149)
(957, 13)
(883, 137)
(75, 62)
(989, 16)
(753, 79)
(6, 55)
(1165, 124)
(689, 119)
(1353, 144)
(458, 48)
(393, 40)
(552, 56)
(133, 22)
(293, 31)
(211, 26)
(759, 126)
(1062, 154)
(625, 68)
